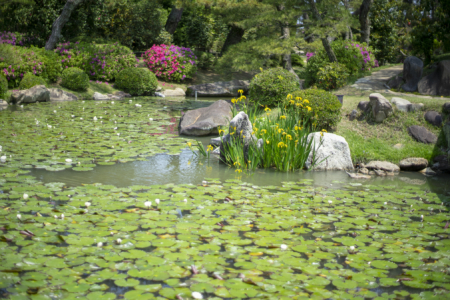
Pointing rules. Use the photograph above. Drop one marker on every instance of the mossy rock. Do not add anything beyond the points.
(271, 86)
(29, 80)
(75, 79)
(136, 81)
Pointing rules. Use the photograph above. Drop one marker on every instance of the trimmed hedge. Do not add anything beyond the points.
(75, 79)
(271, 86)
(325, 106)
(136, 81)
(29, 80)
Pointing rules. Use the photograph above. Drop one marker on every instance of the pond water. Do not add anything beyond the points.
(104, 200)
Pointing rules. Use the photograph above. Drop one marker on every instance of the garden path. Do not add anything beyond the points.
(377, 80)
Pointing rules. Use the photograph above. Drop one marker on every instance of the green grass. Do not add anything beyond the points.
(371, 141)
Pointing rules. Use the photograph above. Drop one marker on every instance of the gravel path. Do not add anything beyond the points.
(378, 79)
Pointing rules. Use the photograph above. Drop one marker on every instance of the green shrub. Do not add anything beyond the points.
(136, 81)
(271, 86)
(297, 60)
(324, 106)
(332, 76)
(205, 60)
(30, 80)
(75, 79)
(3, 85)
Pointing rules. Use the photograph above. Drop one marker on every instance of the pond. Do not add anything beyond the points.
(103, 200)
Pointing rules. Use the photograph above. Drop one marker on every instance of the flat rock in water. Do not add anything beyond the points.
(363, 105)
(381, 107)
(421, 134)
(446, 107)
(442, 163)
(216, 141)
(413, 164)
(99, 96)
(380, 172)
(205, 120)
(400, 103)
(438, 82)
(333, 151)
(174, 93)
(428, 171)
(433, 117)
(3, 102)
(412, 72)
(121, 95)
(60, 95)
(363, 171)
(37, 93)
(415, 107)
(219, 89)
(358, 176)
(382, 165)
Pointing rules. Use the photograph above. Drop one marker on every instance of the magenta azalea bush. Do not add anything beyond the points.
(99, 61)
(15, 38)
(171, 63)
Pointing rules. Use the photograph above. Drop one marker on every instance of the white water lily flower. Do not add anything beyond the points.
(73, 116)
(81, 118)
(329, 201)
(204, 182)
(151, 119)
(421, 217)
(118, 134)
(19, 216)
(99, 244)
(148, 203)
(82, 101)
(185, 200)
(49, 126)
(352, 248)
(25, 196)
(118, 241)
(68, 160)
(138, 105)
(131, 101)
(115, 128)
(197, 295)
(54, 111)
(157, 201)
(385, 203)
(55, 216)
(62, 216)
(3, 158)
(283, 247)
(95, 118)
(87, 204)
(21, 106)
(112, 102)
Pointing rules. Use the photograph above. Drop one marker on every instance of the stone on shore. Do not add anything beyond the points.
(413, 164)
(400, 103)
(415, 107)
(438, 82)
(358, 176)
(433, 117)
(205, 120)
(382, 165)
(37, 93)
(353, 115)
(412, 72)
(219, 89)
(331, 151)
(363, 106)
(178, 92)
(60, 95)
(98, 96)
(446, 107)
(381, 107)
(422, 135)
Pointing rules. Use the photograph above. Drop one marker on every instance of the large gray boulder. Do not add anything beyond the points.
(60, 95)
(331, 151)
(219, 89)
(381, 107)
(364, 106)
(438, 82)
(400, 103)
(446, 107)
(395, 82)
(240, 130)
(413, 164)
(412, 72)
(433, 117)
(37, 93)
(99, 96)
(206, 120)
(415, 107)
(382, 165)
(422, 135)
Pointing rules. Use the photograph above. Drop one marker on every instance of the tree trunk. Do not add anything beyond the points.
(325, 42)
(173, 19)
(234, 37)
(60, 22)
(364, 21)
(285, 35)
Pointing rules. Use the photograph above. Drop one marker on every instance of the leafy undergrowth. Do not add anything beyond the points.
(79, 135)
(371, 141)
(222, 240)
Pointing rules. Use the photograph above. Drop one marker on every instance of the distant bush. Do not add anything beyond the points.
(29, 80)
(171, 63)
(75, 79)
(332, 76)
(99, 61)
(297, 60)
(271, 86)
(137, 81)
(3, 86)
(324, 107)
(205, 60)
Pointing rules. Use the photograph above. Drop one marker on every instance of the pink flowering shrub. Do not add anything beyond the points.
(171, 63)
(15, 38)
(100, 62)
